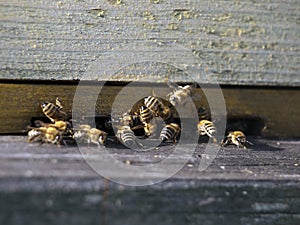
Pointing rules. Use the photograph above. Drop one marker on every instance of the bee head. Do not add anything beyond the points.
(102, 138)
(44, 104)
(174, 100)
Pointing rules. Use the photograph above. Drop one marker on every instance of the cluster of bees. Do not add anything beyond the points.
(144, 118)
(59, 131)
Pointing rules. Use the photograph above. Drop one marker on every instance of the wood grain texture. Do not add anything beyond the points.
(240, 42)
(257, 110)
(50, 185)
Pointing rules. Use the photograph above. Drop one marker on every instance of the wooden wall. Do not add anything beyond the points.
(240, 42)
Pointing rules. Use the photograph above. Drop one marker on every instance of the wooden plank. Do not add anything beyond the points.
(241, 42)
(272, 160)
(257, 110)
(50, 185)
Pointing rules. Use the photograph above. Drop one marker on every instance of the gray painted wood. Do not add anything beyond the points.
(271, 160)
(50, 185)
(236, 42)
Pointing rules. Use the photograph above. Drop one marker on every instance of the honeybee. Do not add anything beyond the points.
(52, 135)
(45, 135)
(170, 132)
(180, 94)
(63, 126)
(96, 136)
(86, 134)
(126, 136)
(237, 138)
(54, 111)
(206, 127)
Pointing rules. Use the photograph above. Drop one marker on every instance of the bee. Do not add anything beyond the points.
(237, 138)
(63, 126)
(52, 135)
(154, 105)
(96, 136)
(45, 135)
(170, 132)
(206, 127)
(86, 134)
(126, 136)
(180, 94)
(54, 111)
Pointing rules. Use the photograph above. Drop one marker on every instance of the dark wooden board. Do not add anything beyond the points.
(260, 110)
(240, 42)
(266, 160)
(50, 185)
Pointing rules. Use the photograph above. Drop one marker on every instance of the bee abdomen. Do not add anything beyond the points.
(52, 111)
(206, 127)
(169, 132)
(154, 104)
(145, 114)
(128, 138)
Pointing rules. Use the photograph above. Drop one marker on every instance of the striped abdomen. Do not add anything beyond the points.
(154, 105)
(53, 112)
(145, 114)
(170, 132)
(126, 136)
(206, 127)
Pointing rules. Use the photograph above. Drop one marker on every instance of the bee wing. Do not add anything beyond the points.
(154, 93)
(193, 86)
(39, 123)
(173, 86)
(196, 97)
(58, 103)
(249, 142)
(137, 127)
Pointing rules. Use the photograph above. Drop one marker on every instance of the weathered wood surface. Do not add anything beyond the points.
(239, 42)
(50, 185)
(261, 111)
(265, 160)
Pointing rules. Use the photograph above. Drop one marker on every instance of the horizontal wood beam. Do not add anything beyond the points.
(274, 110)
(241, 42)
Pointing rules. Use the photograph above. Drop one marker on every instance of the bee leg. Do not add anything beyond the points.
(64, 142)
(98, 143)
(116, 140)
(224, 143)
(215, 140)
